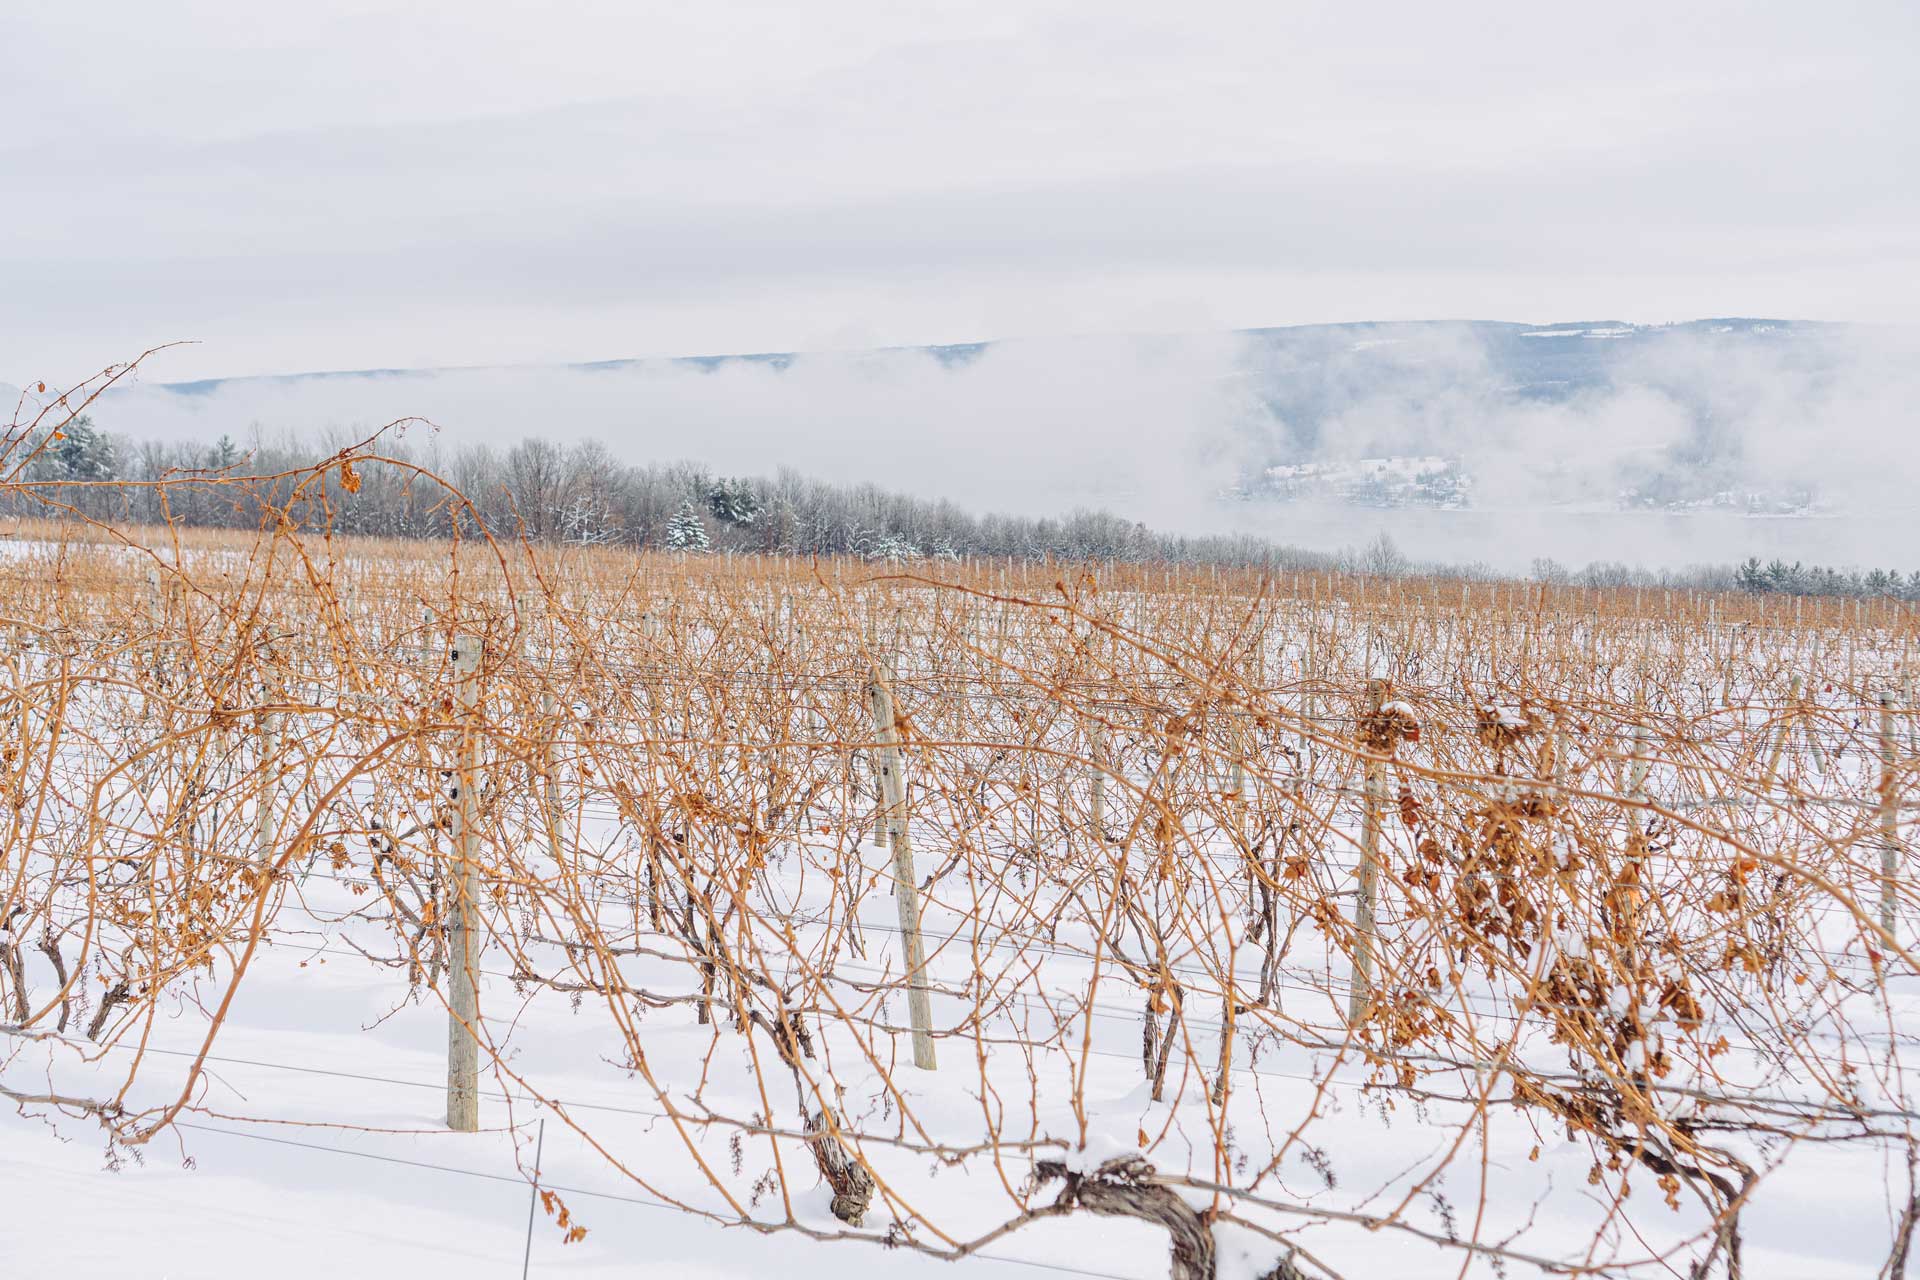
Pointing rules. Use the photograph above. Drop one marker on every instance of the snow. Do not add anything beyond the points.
(315, 1038)
(1099, 1148)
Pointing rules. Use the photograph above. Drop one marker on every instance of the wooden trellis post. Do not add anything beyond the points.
(1637, 775)
(1906, 694)
(1636, 862)
(1098, 744)
(1373, 801)
(463, 995)
(267, 742)
(1787, 723)
(156, 647)
(877, 819)
(906, 897)
(267, 734)
(547, 781)
(1889, 819)
(1230, 1009)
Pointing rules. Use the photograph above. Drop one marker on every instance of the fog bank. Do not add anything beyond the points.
(1552, 428)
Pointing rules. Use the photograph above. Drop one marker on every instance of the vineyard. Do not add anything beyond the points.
(1104, 919)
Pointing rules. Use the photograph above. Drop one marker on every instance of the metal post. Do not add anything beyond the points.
(533, 1197)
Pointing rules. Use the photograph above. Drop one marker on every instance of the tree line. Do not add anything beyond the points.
(1777, 577)
(581, 494)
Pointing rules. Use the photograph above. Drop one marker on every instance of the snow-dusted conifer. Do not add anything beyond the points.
(685, 532)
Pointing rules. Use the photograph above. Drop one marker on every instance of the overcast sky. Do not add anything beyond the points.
(340, 185)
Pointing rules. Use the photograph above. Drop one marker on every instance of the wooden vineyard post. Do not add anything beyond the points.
(1889, 819)
(1372, 802)
(463, 999)
(1637, 777)
(1636, 868)
(1906, 699)
(1099, 784)
(1000, 650)
(547, 783)
(1906, 692)
(267, 740)
(878, 820)
(1809, 732)
(156, 617)
(268, 736)
(1238, 787)
(1787, 723)
(906, 891)
(1309, 749)
(1237, 791)
(1230, 1009)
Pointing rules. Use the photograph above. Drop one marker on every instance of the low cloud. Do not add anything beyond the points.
(1160, 428)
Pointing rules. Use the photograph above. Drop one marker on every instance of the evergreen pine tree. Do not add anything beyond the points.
(733, 502)
(76, 451)
(85, 453)
(685, 532)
